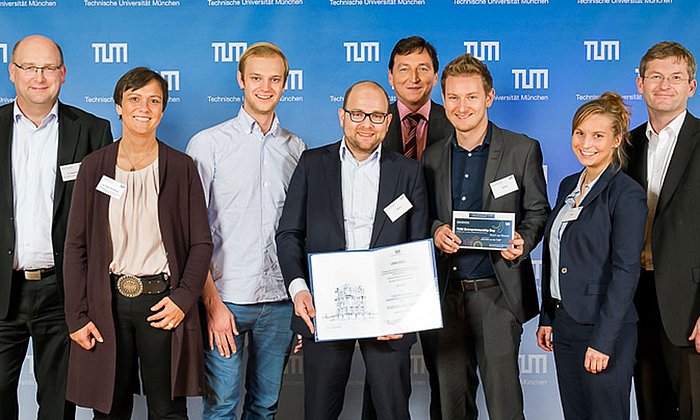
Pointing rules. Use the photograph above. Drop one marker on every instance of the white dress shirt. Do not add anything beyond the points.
(246, 174)
(34, 160)
(661, 146)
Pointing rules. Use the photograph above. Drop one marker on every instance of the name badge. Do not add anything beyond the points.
(504, 186)
(111, 187)
(69, 172)
(398, 207)
(572, 214)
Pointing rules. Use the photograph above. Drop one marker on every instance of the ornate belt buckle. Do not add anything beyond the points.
(129, 286)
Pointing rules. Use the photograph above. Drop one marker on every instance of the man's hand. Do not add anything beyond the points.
(221, 326)
(304, 308)
(695, 336)
(595, 361)
(544, 338)
(389, 337)
(167, 315)
(445, 240)
(515, 250)
(87, 336)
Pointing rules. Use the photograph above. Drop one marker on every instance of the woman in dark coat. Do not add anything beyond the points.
(137, 253)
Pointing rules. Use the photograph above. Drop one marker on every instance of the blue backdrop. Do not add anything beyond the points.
(547, 58)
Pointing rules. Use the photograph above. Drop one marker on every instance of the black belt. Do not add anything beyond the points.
(467, 285)
(33, 275)
(134, 286)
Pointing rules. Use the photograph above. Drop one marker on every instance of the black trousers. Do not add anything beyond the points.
(480, 332)
(140, 345)
(327, 369)
(666, 377)
(585, 395)
(36, 312)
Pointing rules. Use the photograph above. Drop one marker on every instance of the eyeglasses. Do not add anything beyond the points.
(359, 116)
(673, 79)
(31, 69)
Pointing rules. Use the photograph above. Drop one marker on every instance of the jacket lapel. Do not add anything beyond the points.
(443, 182)
(68, 135)
(389, 174)
(331, 170)
(600, 185)
(6, 157)
(688, 139)
(492, 163)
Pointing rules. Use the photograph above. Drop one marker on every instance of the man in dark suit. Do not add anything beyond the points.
(665, 159)
(336, 201)
(487, 295)
(42, 142)
(416, 121)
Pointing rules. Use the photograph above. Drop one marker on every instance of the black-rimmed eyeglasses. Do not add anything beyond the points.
(359, 116)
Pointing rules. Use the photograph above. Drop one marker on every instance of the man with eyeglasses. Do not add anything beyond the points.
(337, 200)
(665, 159)
(42, 142)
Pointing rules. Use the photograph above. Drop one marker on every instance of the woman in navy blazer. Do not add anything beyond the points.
(592, 245)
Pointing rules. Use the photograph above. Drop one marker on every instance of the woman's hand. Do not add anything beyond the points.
(167, 315)
(87, 336)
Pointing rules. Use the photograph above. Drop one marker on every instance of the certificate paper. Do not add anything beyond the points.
(391, 290)
(483, 230)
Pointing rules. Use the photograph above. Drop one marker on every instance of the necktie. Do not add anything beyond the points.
(410, 149)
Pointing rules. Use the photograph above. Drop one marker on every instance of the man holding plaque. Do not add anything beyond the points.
(351, 195)
(487, 294)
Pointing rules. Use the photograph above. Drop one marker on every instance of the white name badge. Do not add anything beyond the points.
(571, 214)
(398, 207)
(504, 186)
(69, 172)
(111, 187)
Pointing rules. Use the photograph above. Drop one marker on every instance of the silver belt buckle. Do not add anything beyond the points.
(32, 274)
(129, 286)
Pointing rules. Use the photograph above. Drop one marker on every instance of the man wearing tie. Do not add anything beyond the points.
(42, 143)
(336, 201)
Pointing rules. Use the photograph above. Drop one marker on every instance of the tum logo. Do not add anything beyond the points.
(533, 363)
(360, 52)
(228, 52)
(602, 50)
(295, 80)
(173, 79)
(484, 50)
(3, 54)
(531, 79)
(111, 53)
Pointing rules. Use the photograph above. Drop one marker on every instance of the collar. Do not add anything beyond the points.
(572, 195)
(249, 124)
(674, 127)
(346, 156)
(485, 143)
(424, 111)
(18, 115)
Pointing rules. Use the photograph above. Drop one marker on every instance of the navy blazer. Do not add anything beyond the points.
(599, 256)
(312, 219)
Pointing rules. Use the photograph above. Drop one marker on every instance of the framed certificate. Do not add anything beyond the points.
(483, 230)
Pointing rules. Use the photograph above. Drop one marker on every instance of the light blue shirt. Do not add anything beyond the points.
(34, 157)
(245, 174)
(557, 231)
(360, 189)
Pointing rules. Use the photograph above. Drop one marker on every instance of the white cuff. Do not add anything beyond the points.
(297, 285)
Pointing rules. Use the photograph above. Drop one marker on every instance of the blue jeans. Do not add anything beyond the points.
(267, 326)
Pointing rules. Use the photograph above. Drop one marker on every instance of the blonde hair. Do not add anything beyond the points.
(612, 106)
(263, 49)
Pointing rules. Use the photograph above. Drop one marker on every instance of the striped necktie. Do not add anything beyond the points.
(410, 148)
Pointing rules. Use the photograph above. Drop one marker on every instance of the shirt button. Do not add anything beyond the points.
(466, 175)
(454, 268)
(464, 198)
(564, 270)
(469, 154)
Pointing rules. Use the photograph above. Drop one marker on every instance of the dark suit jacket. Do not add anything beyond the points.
(676, 229)
(599, 256)
(184, 227)
(509, 153)
(79, 133)
(439, 127)
(312, 219)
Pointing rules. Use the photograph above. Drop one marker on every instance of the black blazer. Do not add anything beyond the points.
(509, 154)
(598, 257)
(439, 127)
(79, 133)
(312, 219)
(676, 229)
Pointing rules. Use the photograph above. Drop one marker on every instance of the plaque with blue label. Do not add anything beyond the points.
(483, 230)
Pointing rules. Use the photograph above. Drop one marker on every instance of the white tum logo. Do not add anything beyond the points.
(111, 53)
(531, 79)
(602, 50)
(360, 52)
(295, 80)
(484, 50)
(173, 79)
(228, 52)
